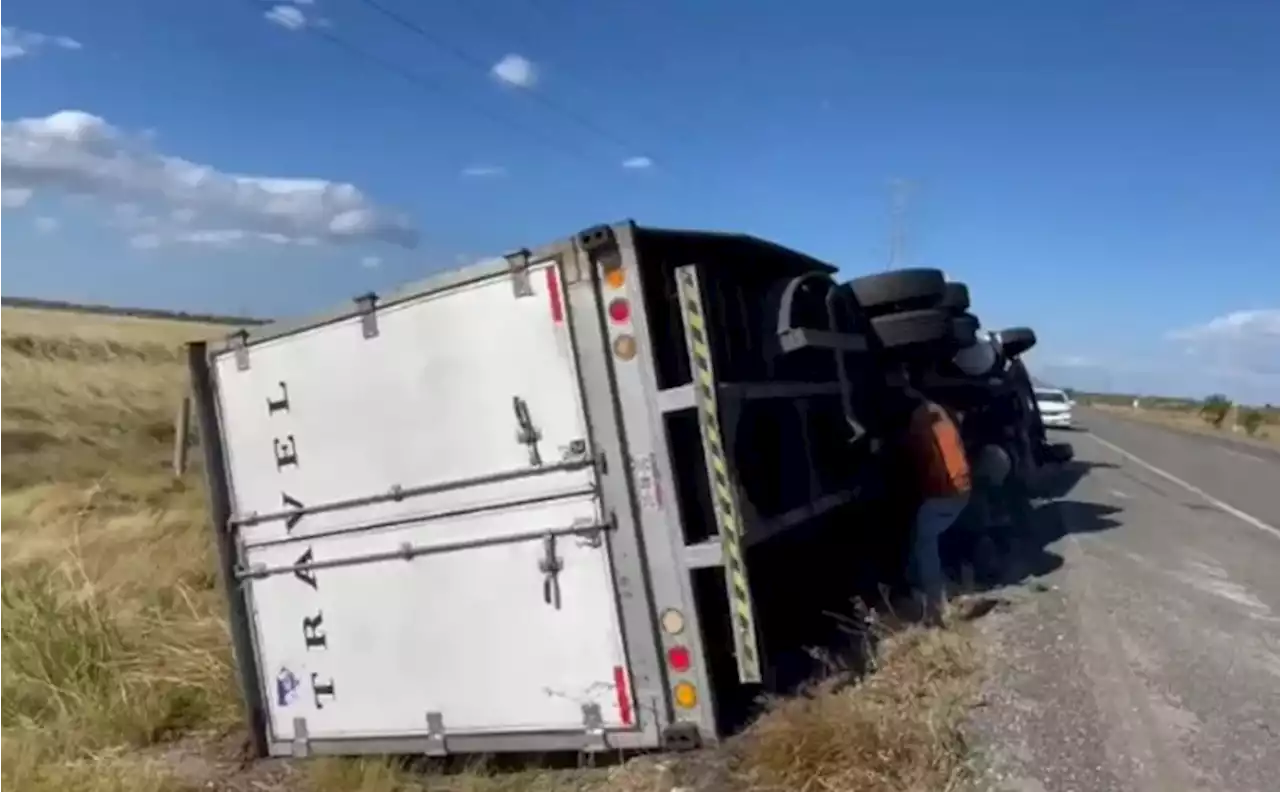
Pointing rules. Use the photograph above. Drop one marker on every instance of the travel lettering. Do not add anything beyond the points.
(312, 634)
(314, 637)
(280, 404)
(318, 689)
(292, 519)
(286, 452)
(307, 576)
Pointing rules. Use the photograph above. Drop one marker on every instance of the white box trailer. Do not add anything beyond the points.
(507, 509)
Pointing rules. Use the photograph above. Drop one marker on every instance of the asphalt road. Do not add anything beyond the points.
(1137, 644)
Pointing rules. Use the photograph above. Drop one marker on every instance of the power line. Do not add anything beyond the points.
(899, 194)
(547, 102)
(436, 87)
(665, 166)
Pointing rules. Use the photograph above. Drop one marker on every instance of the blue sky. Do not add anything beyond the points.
(1107, 172)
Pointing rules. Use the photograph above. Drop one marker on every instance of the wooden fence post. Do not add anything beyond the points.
(181, 435)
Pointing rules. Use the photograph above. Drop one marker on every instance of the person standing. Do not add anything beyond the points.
(940, 467)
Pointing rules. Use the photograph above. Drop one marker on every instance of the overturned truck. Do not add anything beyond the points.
(545, 503)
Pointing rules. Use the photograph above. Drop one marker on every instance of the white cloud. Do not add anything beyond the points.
(371, 262)
(206, 237)
(81, 154)
(637, 163)
(15, 43)
(288, 17)
(484, 171)
(13, 197)
(129, 215)
(210, 237)
(1235, 326)
(146, 241)
(1242, 342)
(46, 225)
(515, 70)
(1072, 361)
(183, 215)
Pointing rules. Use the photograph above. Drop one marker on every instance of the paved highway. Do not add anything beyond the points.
(1137, 646)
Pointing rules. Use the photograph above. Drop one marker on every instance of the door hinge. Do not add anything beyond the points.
(591, 533)
(575, 451)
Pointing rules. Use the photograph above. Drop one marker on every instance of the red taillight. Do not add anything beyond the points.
(553, 294)
(620, 310)
(678, 658)
(623, 695)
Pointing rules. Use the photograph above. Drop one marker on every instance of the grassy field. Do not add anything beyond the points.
(113, 638)
(1186, 417)
(117, 674)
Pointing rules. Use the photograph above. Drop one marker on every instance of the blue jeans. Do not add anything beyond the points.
(933, 518)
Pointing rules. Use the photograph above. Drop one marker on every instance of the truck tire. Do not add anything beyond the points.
(956, 297)
(964, 329)
(908, 328)
(908, 288)
(1054, 453)
(1017, 340)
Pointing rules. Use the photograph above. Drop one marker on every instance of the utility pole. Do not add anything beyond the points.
(899, 195)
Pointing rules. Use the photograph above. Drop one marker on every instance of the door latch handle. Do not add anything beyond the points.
(527, 434)
(550, 567)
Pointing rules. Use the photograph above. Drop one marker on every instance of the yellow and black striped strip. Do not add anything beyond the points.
(725, 500)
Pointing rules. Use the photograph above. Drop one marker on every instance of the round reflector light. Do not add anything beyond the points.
(686, 695)
(678, 658)
(624, 346)
(620, 310)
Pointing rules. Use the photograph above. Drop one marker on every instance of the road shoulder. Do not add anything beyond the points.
(1025, 739)
(1063, 706)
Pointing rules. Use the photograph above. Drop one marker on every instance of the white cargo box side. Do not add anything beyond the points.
(419, 523)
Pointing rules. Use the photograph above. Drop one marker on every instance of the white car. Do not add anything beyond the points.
(1055, 407)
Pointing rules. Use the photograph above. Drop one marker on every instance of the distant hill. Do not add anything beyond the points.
(142, 313)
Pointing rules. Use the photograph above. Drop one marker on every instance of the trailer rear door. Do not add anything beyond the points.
(423, 546)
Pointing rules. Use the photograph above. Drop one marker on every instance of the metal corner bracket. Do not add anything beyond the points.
(593, 728)
(435, 735)
(239, 344)
(601, 246)
(301, 739)
(518, 265)
(367, 306)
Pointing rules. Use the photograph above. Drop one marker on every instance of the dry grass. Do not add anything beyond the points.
(899, 729)
(116, 665)
(112, 634)
(1190, 421)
